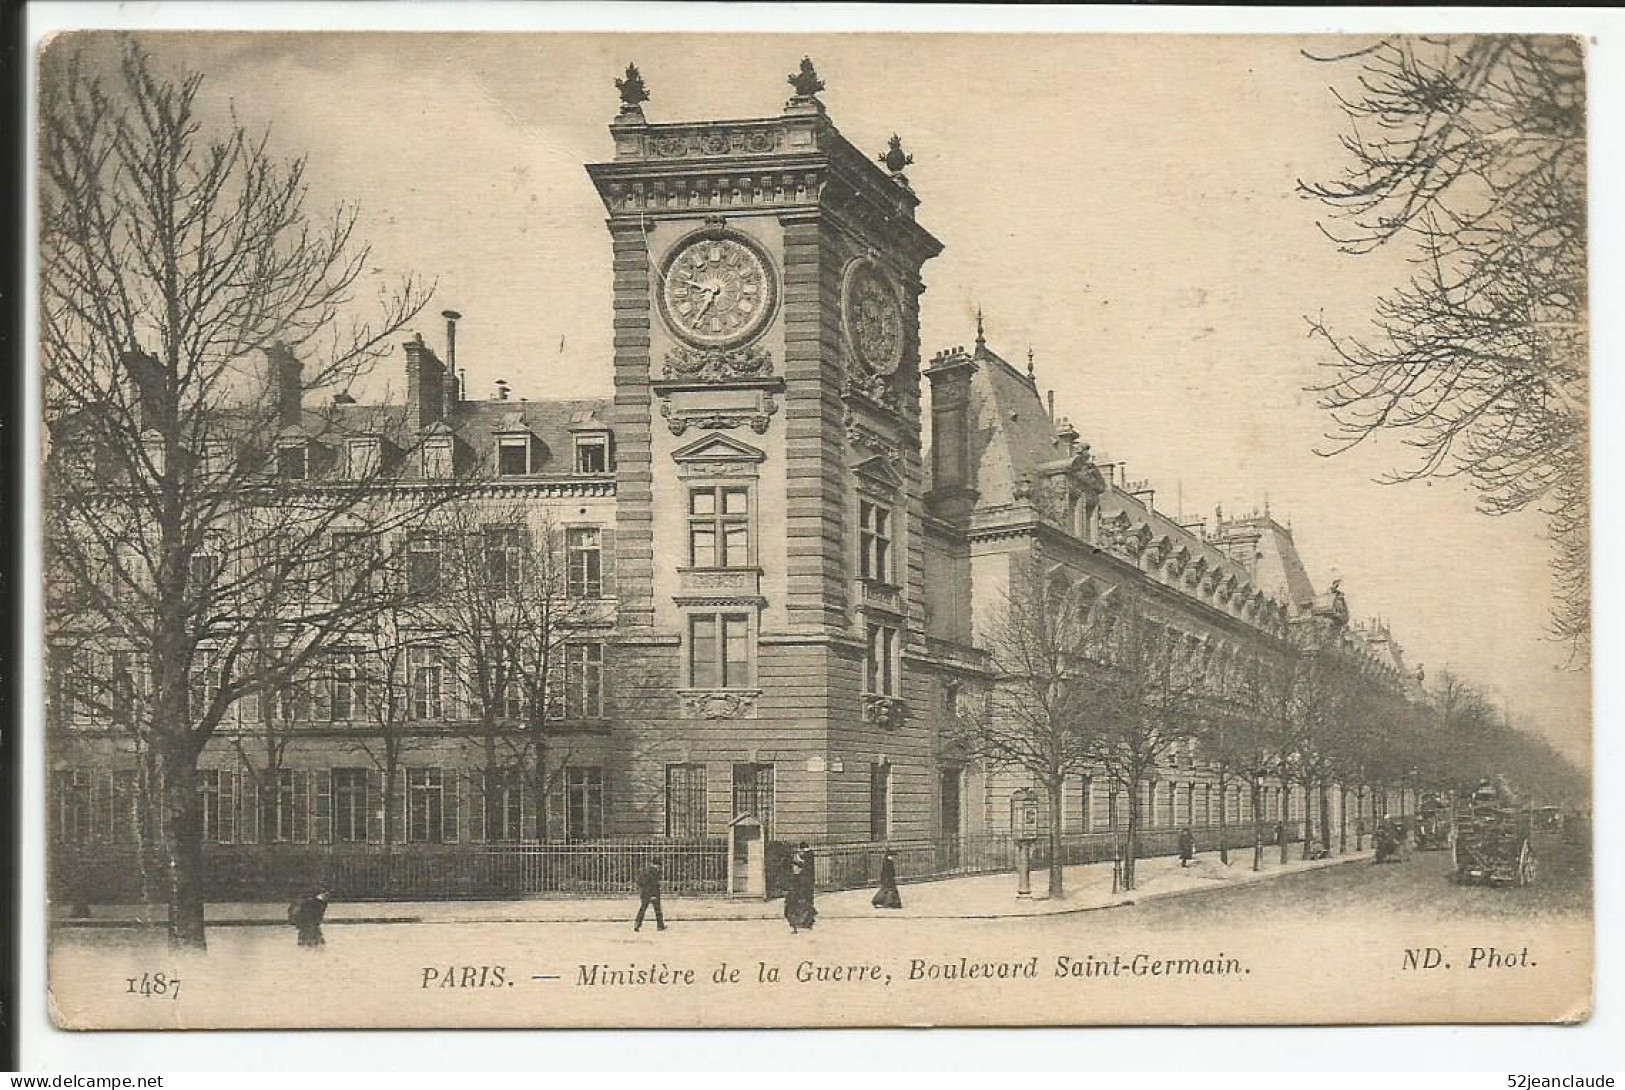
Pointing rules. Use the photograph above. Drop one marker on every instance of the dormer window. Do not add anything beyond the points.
(592, 453)
(364, 457)
(513, 455)
(293, 461)
(437, 459)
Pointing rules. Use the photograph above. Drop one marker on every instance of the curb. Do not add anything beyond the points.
(1126, 902)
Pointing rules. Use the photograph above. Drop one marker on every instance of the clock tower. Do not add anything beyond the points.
(768, 473)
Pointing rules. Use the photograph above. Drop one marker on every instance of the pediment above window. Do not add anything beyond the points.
(719, 449)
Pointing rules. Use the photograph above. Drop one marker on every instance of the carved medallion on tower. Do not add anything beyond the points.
(873, 317)
(717, 290)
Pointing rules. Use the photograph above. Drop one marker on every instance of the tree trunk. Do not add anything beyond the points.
(1284, 818)
(183, 844)
(1342, 818)
(1255, 793)
(1326, 814)
(1308, 823)
(1056, 788)
(1224, 836)
(1131, 840)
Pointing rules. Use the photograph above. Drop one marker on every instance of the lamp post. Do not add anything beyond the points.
(1024, 830)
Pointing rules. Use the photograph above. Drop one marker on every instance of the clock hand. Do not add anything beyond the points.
(709, 299)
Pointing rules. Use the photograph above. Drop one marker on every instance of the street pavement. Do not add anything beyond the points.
(1326, 940)
(987, 896)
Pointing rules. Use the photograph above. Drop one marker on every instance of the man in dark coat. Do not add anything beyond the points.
(306, 915)
(649, 894)
(1187, 846)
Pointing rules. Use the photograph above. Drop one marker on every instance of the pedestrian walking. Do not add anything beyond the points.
(887, 896)
(1187, 846)
(798, 898)
(306, 914)
(649, 895)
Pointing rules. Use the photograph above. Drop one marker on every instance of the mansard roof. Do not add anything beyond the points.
(1011, 434)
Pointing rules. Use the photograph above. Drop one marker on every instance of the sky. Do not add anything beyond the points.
(1125, 206)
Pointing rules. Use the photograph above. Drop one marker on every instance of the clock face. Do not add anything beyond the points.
(874, 319)
(716, 291)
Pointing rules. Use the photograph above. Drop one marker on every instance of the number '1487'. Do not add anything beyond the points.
(153, 986)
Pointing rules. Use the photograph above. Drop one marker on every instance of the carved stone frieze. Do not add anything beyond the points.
(720, 704)
(686, 364)
(859, 433)
(709, 143)
(883, 711)
(874, 388)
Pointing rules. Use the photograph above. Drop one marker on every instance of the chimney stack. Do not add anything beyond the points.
(425, 385)
(454, 387)
(287, 378)
(953, 495)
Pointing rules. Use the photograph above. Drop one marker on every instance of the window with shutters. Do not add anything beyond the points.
(428, 681)
(502, 554)
(504, 803)
(423, 566)
(73, 806)
(348, 700)
(276, 806)
(425, 805)
(350, 805)
(208, 794)
(879, 802)
(584, 681)
(584, 804)
(202, 571)
(131, 685)
(685, 800)
(719, 527)
(719, 651)
(352, 566)
(753, 794)
(875, 542)
(203, 682)
(880, 666)
(585, 560)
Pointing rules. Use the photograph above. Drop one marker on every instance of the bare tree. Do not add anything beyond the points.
(522, 604)
(1471, 152)
(1146, 687)
(1241, 737)
(1041, 642)
(189, 302)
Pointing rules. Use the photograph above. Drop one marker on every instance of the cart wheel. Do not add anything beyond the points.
(1526, 866)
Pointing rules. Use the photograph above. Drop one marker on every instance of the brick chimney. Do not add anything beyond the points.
(952, 495)
(425, 385)
(287, 381)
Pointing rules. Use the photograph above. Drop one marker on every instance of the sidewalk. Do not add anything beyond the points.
(986, 896)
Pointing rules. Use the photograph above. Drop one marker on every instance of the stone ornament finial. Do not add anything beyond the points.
(805, 80)
(634, 92)
(894, 157)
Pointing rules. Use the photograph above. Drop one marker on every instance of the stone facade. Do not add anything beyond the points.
(795, 590)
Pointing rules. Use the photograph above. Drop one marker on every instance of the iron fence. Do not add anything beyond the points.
(112, 874)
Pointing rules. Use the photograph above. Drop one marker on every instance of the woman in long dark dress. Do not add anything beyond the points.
(798, 898)
(887, 896)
